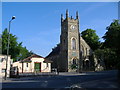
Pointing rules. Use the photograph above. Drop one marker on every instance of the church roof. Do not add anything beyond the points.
(84, 42)
(55, 51)
(47, 61)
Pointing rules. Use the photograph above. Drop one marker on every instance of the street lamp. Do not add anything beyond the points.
(13, 17)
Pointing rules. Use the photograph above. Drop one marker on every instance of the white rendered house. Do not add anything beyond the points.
(34, 63)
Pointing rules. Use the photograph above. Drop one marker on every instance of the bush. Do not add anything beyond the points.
(74, 66)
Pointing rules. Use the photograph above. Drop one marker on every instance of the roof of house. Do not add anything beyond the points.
(28, 59)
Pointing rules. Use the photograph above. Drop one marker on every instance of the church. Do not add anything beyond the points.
(72, 54)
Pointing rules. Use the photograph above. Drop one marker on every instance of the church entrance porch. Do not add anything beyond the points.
(86, 65)
(73, 65)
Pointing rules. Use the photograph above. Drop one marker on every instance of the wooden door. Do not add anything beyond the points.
(37, 67)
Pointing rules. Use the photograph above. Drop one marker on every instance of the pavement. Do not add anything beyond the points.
(103, 79)
(32, 77)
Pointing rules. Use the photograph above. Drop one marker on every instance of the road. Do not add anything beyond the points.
(104, 79)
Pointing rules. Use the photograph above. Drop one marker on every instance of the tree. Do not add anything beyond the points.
(109, 57)
(112, 40)
(112, 36)
(13, 46)
(16, 50)
(24, 53)
(91, 38)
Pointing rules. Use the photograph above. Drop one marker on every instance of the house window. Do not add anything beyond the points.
(73, 44)
(3, 70)
(26, 64)
(2, 59)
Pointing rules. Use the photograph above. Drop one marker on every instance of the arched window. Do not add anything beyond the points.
(73, 44)
(64, 41)
(74, 61)
(82, 49)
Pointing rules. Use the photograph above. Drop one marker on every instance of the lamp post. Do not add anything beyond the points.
(13, 17)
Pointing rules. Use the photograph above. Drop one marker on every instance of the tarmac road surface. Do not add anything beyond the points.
(104, 79)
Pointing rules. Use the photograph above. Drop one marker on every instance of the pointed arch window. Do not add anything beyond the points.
(73, 43)
(82, 49)
(74, 61)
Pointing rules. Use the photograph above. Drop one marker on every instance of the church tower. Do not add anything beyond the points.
(69, 43)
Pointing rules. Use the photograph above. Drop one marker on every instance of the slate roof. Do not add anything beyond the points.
(47, 61)
(55, 51)
(28, 59)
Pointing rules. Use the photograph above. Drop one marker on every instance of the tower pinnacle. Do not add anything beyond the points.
(67, 13)
(62, 18)
(77, 17)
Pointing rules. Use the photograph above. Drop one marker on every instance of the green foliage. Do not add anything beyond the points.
(112, 36)
(109, 50)
(109, 57)
(91, 38)
(118, 66)
(74, 66)
(13, 46)
(112, 41)
(16, 50)
(24, 53)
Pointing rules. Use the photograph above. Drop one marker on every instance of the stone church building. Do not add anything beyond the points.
(72, 54)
